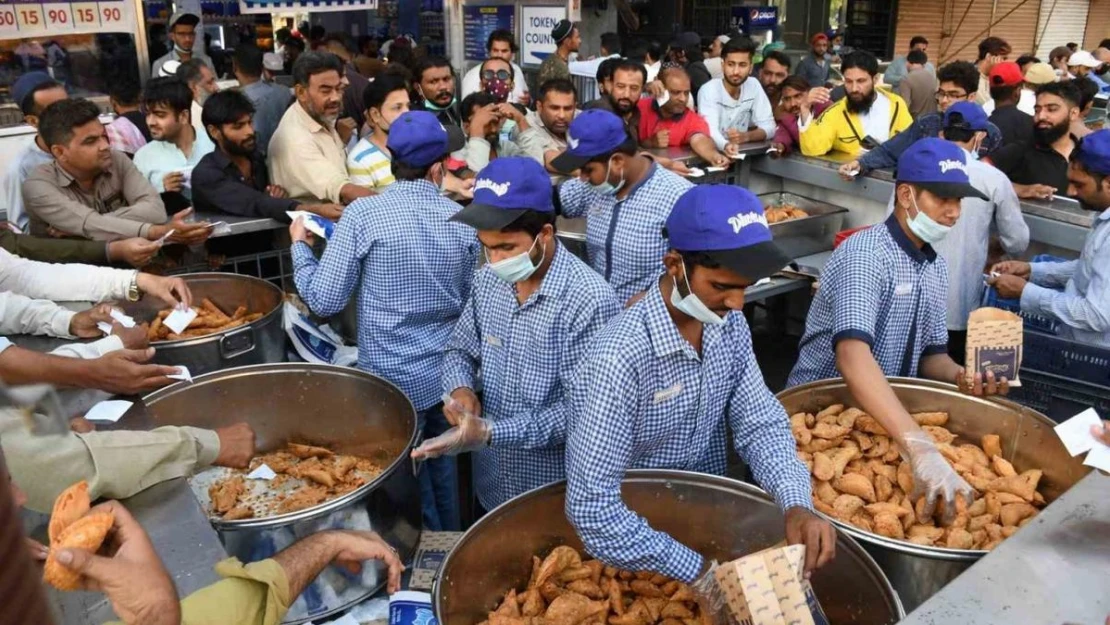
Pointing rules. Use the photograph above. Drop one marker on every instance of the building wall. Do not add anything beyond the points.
(954, 28)
(1098, 24)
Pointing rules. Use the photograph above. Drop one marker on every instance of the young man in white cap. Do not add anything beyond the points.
(1080, 65)
(666, 380)
(532, 314)
(182, 29)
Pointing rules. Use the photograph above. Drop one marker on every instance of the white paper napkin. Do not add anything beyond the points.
(109, 410)
(1075, 433)
(263, 472)
(162, 239)
(715, 169)
(124, 320)
(182, 374)
(179, 319)
(695, 172)
(220, 228)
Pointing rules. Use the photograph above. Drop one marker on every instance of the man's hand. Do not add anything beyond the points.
(718, 160)
(37, 550)
(508, 111)
(933, 477)
(81, 425)
(184, 231)
(737, 137)
(661, 139)
(173, 181)
(83, 324)
(1008, 286)
(327, 211)
(655, 88)
(1034, 191)
(298, 232)
(732, 149)
(353, 547)
(1017, 268)
(135, 251)
(779, 150)
(458, 186)
(674, 165)
(818, 535)
(236, 446)
(817, 95)
(464, 403)
(849, 171)
(471, 434)
(482, 118)
(1102, 432)
(132, 575)
(277, 191)
(346, 128)
(170, 290)
(979, 387)
(525, 99)
(123, 372)
(132, 338)
(992, 60)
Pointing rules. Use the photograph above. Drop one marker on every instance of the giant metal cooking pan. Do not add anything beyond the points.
(716, 516)
(1028, 441)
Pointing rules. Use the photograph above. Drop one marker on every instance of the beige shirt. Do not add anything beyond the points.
(122, 203)
(116, 464)
(983, 95)
(306, 159)
(538, 140)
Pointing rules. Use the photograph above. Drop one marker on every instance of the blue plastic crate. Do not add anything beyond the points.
(1032, 322)
(1060, 398)
(1067, 359)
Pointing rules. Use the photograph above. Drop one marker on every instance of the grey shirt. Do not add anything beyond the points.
(815, 73)
(270, 101)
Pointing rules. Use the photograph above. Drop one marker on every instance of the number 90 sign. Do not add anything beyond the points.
(31, 19)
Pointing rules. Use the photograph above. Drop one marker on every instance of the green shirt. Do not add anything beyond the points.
(552, 67)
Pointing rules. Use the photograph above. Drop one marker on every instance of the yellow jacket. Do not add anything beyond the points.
(837, 129)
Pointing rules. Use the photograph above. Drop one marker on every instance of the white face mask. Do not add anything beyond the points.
(517, 268)
(925, 227)
(691, 305)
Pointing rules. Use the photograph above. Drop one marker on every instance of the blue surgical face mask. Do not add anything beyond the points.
(519, 267)
(925, 228)
(691, 305)
(606, 188)
(431, 106)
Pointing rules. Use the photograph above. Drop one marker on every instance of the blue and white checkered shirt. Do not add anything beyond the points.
(528, 353)
(877, 287)
(1083, 308)
(643, 398)
(624, 238)
(416, 270)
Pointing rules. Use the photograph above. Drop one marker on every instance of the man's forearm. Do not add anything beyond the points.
(704, 147)
(24, 366)
(303, 560)
(351, 192)
(868, 384)
(939, 367)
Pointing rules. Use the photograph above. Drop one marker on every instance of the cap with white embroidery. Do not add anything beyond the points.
(504, 190)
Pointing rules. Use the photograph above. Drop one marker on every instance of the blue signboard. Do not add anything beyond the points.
(748, 19)
(479, 22)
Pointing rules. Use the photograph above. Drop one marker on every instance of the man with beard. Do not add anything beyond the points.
(340, 45)
(233, 178)
(434, 82)
(735, 107)
(369, 163)
(543, 133)
(182, 29)
(201, 81)
(568, 39)
(773, 71)
(1083, 307)
(168, 160)
(815, 66)
(306, 155)
(669, 122)
(794, 94)
(1082, 65)
(957, 81)
(628, 82)
(865, 118)
(1041, 170)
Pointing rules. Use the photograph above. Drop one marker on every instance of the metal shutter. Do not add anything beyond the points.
(954, 28)
(1060, 22)
(1098, 24)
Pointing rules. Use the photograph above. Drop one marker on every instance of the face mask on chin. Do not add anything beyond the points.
(606, 187)
(691, 305)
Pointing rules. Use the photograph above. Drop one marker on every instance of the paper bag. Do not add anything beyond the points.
(769, 588)
(994, 340)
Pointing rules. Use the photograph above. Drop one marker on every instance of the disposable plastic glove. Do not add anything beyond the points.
(471, 434)
(710, 597)
(933, 477)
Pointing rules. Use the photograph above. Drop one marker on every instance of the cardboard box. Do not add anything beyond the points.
(994, 343)
(769, 588)
(430, 554)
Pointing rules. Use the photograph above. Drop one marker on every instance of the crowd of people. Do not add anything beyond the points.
(543, 365)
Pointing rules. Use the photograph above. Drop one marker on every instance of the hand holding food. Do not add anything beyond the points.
(934, 478)
(73, 527)
(979, 387)
(818, 535)
(236, 446)
(471, 434)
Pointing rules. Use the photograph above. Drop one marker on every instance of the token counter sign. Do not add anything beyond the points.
(20, 19)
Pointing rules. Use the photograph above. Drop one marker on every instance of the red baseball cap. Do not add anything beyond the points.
(819, 36)
(1006, 74)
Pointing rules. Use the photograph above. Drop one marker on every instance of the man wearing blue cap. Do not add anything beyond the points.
(881, 311)
(966, 246)
(666, 379)
(533, 311)
(412, 271)
(32, 93)
(624, 196)
(1083, 307)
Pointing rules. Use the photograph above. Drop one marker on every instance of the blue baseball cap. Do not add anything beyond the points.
(26, 84)
(504, 190)
(727, 224)
(965, 116)
(592, 133)
(939, 167)
(418, 139)
(1094, 152)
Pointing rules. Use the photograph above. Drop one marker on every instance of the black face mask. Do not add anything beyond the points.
(1048, 136)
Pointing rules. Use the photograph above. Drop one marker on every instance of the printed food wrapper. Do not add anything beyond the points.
(769, 588)
(994, 343)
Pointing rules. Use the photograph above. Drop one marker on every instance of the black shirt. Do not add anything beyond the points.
(1033, 164)
(1016, 125)
(137, 118)
(631, 124)
(219, 186)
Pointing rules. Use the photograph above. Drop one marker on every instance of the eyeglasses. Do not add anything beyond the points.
(501, 74)
(950, 95)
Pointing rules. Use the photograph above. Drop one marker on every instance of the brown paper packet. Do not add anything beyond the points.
(994, 343)
(769, 588)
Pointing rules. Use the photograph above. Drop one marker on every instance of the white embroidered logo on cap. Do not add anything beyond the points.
(498, 188)
(572, 142)
(947, 164)
(740, 221)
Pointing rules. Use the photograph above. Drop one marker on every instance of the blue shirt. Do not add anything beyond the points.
(158, 158)
(270, 101)
(877, 287)
(527, 353)
(1083, 308)
(624, 238)
(643, 398)
(886, 155)
(28, 158)
(412, 269)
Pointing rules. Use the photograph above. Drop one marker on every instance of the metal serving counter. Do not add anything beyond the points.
(238, 223)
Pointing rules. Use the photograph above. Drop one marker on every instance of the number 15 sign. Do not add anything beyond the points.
(27, 18)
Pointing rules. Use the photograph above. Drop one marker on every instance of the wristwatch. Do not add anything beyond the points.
(133, 292)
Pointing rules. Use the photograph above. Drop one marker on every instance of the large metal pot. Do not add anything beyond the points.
(347, 410)
(716, 516)
(261, 341)
(916, 571)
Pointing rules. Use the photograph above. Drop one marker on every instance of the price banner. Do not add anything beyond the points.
(248, 7)
(20, 19)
